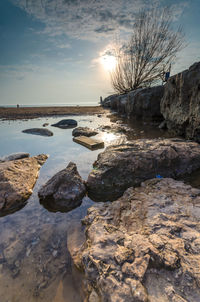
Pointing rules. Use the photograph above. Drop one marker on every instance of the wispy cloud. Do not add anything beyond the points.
(86, 19)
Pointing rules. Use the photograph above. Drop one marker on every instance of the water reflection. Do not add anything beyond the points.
(35, 263)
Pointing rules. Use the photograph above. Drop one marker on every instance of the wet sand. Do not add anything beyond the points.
(34, 112)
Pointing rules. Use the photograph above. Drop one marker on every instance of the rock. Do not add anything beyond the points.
(145, 102)
(181, 102)
(14, 156)
(38, 131)
(122, 166)
(65, 124)
(17, 178)
(45, 124)
(64, 191)
(145, 246)
(84, 131)
(110, 101)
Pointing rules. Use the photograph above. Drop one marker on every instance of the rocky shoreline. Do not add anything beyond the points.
(144, 246)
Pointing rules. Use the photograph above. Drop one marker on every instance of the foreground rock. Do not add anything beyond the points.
(180, 104)
(84, 131)
(140, 103)
(14, 156)
(65, 124)
(145, 246)
(64, 191)
(38, 131)
(122, 166)
(17, 178)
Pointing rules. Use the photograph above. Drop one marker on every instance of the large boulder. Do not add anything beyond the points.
(122, 166)
(38, 131)
(65, 124)
(145, 103)
(84, 131)
(17, 178)
(14, 156)
(64, 191)
(110, 101)
(180, 104)
(145, 246)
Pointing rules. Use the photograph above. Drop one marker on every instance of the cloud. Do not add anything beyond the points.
(85, 19)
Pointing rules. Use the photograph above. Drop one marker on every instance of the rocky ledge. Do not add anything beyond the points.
(180, 104)
(145, 246)
(17, 178)
(122, 166)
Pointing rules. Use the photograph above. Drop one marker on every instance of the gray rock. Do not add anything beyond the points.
(14, 156)
(17, 178)
(180, 104)
(64, 191)
(144, 103)
(145, 246)
(65, 124)
(122, 166)
(110, 101)
(38, 131)
(85, 131)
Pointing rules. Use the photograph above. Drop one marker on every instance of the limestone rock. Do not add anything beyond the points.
(145, 246)
(65, 124)
(17, 178)
(180, 104)
(142, 102)
(84, 131)
(64, 191)
(14, 156)
(122, 166)
(38, 131)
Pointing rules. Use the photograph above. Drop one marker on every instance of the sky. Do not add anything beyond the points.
(51, 50)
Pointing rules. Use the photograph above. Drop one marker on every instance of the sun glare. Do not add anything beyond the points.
(108, 62)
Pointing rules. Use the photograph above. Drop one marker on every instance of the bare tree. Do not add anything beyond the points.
(152, 47)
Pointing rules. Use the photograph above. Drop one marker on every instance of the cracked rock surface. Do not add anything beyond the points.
(145, 246)
(17, 179)
(122, 166)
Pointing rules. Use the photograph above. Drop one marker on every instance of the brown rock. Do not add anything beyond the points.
(64, 191)
(17, 178)
(122, 166)
(145, 245)
(85, 131)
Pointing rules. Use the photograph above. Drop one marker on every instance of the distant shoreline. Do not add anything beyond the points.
(35, 112)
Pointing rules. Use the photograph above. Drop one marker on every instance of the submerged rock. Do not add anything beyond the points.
(122, 166)
(180, 104)
(84, 131)
(38, 131)
(145, 246)
(14, 156)
(17, 178)
(65, 124)
(64, 191)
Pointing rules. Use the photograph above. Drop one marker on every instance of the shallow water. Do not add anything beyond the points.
(35, 263)
(35, 244)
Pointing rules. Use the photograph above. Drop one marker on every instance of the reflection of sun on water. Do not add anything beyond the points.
(108, 62)
(109, 137)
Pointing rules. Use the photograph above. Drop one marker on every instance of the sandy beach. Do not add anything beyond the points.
(34, 112)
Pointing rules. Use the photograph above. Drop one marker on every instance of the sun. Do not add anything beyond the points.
(109, 62)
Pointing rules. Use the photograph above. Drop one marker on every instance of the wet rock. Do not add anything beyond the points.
(64, 191)
(181, 102)
(17, 178)
(45, 124)
(38, 131)
(84, 131)
(14, 156)
(122, 166)
(65, 124)
(135, 246)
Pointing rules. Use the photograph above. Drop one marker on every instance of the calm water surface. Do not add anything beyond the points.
(35, 244)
